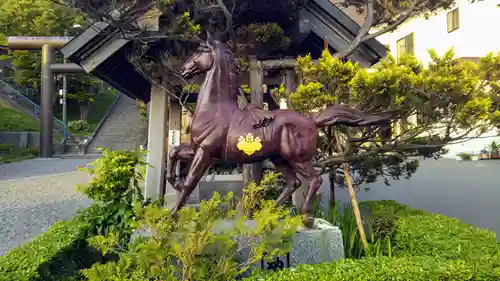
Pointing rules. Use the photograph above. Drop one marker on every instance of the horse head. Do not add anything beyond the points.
(201, 61)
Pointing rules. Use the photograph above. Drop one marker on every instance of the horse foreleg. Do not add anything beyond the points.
(201, 162)
(177, 156)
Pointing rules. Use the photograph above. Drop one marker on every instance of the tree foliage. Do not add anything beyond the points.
(43, 18)
(437, 105)
(32, 18)
(196, 245)
(449, 98)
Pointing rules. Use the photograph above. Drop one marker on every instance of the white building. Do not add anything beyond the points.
(469, 28)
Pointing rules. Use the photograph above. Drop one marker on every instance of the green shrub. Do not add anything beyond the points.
(57, 254)
(31, 151)
(418, 233)
(374, 269)
(115, 187)
(378, 245)
(465, 156)
(79, 126)
(187, 247)
(5, 148)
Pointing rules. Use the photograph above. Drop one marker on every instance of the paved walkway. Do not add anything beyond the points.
(34, 194)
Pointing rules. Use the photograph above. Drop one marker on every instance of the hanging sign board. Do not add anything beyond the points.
(174, 138)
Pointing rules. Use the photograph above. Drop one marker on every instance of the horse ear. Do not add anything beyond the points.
(210, 38)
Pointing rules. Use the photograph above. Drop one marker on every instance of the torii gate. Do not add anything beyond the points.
(49, 69)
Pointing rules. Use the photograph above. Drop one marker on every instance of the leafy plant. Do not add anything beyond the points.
(494, 146)
(465, 156)
(115, 187)
(378, 244)
(31, 151)
(142, 110)
(254, 195)
(191, 88)
(213, 243)
(445, 92)
(79, 126)
(5, 148)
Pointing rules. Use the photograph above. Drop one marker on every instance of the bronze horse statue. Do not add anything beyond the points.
(222, 130)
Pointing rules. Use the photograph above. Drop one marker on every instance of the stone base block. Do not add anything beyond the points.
(320, 244)
(323, 243)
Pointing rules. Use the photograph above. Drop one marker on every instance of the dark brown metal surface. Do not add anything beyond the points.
(221, 130)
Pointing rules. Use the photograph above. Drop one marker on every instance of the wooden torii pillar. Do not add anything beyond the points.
(253, 172)
(49, 69)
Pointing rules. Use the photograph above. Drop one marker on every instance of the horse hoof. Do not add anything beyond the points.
(308, 220)
(171, 180)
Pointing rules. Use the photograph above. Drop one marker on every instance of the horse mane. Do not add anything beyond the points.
(229, 61)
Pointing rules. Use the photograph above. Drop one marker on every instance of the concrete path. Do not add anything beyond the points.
(34, 194)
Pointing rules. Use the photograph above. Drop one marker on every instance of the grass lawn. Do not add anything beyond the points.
(13, 121)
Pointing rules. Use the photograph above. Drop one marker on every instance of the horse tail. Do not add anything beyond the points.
(353, 117)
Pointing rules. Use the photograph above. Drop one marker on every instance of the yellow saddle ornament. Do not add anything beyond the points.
(248, 144)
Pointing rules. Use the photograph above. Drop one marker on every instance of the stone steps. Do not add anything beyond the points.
(122, 130)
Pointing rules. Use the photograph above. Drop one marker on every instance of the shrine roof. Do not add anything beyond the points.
(102, 51)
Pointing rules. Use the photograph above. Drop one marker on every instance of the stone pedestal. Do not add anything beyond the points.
(321, 244)
(222, 184)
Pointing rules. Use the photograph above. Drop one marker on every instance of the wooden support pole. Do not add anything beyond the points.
(157, 132)
(253, 172)
(352, 196)
(174, 139)
(355, 206)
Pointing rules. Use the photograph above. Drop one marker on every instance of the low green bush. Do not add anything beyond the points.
(374, 269)
(62, 251)
(5, 148)
(57, 254)
(418, 233)
(79, 126)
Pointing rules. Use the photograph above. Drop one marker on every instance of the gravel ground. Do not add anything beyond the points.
(40, 167)
(34, 194)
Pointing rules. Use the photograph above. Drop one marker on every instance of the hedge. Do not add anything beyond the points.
(57, 254)
(426, 246)
(418, 233)
(375, 269)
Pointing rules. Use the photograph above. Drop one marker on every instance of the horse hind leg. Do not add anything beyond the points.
(306, 169)
(292, 183)
(172, 162)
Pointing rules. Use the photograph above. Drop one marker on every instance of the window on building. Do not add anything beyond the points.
(405, 45)
(453, 20)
